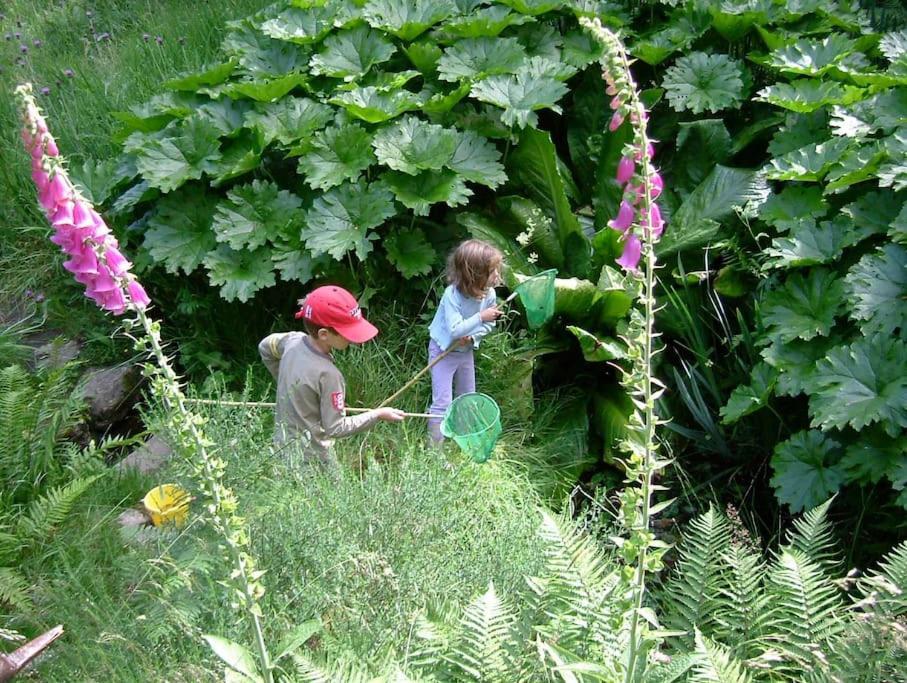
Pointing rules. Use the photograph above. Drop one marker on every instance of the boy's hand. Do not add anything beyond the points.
(490, 313)
(390, 414)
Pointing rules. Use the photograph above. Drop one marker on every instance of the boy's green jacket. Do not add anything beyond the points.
(310, 394)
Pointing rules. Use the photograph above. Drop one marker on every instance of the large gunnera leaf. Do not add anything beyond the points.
(702, 82)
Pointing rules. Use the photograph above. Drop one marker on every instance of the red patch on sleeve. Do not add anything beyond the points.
(337, 401)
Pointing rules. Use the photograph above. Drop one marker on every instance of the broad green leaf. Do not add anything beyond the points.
(681, 30)
(534, 163)
(694, 223)
(748, 398)
(440, 102)
(877, 285)
(407, 19)
(338, 154)
(804, 307)
(809, 163)
(483, 228)
(700, 145)
(894, 45)
(350, 54)
(419, 192)
(581, 49)
(424, 55)
(261, 89)
(574, 298)
(240, 273)
(238, 156)
(858, 164)
(157, 112)
(412, 145)
(382, 81)
(482, 119)
(485, 21)
(810, 244)
(296, 638)
(289, 120)
(477, 160)
(807, 470)
(898, 230)
(169, 162)
(733, 20)
(473, 58)
(373, 106)
(233, 655)
(293, 261)
(135, 195)
(260, 55)
(532, 7)
(873, 456)
(410, 252)
(210, 75)
(596, 350)
(256, 213)
(96, 180)
(341, 219)
(226, 116)
(796, 363)
(542, 66)
(701, 82)
(799, 130)
(302, 25)
(898, 478)
(893, 173)
(520, 95)
(794, 206)
(874, 212)
(862, 384)
(808, 95)
(178, 233)
(812, 57)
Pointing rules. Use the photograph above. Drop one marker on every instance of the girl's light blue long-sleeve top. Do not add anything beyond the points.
(458, 316)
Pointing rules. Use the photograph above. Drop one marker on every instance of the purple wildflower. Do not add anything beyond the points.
(45, 90)
(69, 73)
(23, 49)
(102, 36)
(159, 40)
(146, 37)
(36, 42)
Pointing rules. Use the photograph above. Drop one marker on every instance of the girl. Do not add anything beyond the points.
(466, 313)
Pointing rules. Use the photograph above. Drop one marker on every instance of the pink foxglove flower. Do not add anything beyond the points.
(625, 169)
(629, 259)
(615, 102)
(655, 220)
(94, 256)
(616, 120)
(625, 216)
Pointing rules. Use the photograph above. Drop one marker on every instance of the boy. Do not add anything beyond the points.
(310, 388)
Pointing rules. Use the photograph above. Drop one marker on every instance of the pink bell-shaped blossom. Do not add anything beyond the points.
(63, 215)
(50, 147)
(137, 294)
(105, 281)
(616, 120)
(654, 220)
(615, 102)
(40, 178)
(85, 263)
(117, 263)
(57, 190)
(114, 301)
(656, 185)
(629, 259)
(625, 170)
(82, 216)
(624, 219)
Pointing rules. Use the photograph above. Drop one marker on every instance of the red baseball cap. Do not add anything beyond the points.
(334, 307)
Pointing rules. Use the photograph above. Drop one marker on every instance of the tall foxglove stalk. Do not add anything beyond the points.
(640, 222)
(97, 263)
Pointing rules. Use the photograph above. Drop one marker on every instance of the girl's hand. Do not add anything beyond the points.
(490, 313)
(390, 414)
(464, 341)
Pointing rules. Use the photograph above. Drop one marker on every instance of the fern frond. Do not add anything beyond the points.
(13, 589)
(812, 536)
(578, 591)
(888, 584)
(743, 604)
(807, 608)
(483, 650)
(715, 663)
(310, 671)
(50, 509)
(15, 390)
(692, 592)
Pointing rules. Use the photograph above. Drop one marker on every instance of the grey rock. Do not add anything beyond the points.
(132, 517)
(149, 457)
(110, 393)
(56, 354)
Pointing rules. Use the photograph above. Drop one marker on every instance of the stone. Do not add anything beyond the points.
(132, 517)
(56, 354)
(149, 457)
(110, 393)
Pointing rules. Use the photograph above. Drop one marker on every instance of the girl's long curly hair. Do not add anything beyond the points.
(471, 265)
